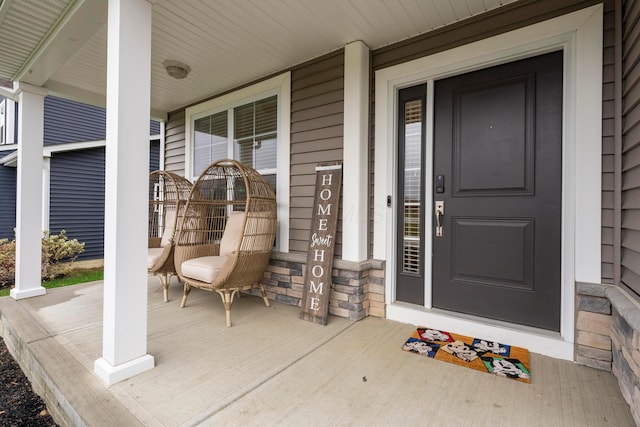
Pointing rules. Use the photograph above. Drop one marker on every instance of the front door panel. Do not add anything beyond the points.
(498, 145)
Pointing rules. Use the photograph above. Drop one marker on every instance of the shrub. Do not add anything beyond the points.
(55, 250)
(7, 261)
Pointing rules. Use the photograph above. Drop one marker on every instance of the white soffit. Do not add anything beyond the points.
(24, 25)
(228, 43)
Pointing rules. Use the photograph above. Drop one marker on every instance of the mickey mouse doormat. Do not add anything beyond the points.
(475, 353)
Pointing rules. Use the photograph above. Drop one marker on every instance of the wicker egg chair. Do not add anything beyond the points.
(168, 194)
(227, 233)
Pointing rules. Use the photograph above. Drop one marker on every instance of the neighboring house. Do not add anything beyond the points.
(74, 139)
(8, 140)
(513, 125)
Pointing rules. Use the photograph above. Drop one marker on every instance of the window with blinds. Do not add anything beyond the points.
(412, 187)
(251, 138)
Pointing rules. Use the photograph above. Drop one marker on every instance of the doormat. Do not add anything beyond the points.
(487, 356)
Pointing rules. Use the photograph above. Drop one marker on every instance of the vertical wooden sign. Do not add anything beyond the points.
(317, 278)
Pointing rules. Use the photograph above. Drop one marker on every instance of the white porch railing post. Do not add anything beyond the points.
(29, 192)
(124, 352)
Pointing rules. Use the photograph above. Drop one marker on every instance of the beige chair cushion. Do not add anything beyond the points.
(169, 227)
(153, 256)
(232, 233)
(204, 269)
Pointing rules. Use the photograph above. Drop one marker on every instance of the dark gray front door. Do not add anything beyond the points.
(498, 149)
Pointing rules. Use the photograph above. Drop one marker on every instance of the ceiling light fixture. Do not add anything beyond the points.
(176, 69)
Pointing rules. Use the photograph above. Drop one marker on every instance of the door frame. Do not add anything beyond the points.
(579, 35)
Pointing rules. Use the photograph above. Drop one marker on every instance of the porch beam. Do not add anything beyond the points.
(29, 192)
(355, 145)
(124, 341)
(78, 23)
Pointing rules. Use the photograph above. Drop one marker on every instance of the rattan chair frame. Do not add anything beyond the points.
(224, 187)
(168, 192)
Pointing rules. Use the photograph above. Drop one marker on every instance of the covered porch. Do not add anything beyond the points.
(100, 351)
(271, 368)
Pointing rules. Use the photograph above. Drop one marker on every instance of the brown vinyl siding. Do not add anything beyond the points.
(175, 143)
(317, 106)
(608, 135)
(630, 226)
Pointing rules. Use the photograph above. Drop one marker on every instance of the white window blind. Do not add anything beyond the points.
(255, 130)
(412, 253)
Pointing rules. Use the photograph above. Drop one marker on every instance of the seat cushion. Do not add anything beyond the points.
(204, 269)
(232, 233)
(153, 256)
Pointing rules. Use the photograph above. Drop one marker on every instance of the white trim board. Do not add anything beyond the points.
(579, 35)
(12, 159)
(48, 150)
(72, 146)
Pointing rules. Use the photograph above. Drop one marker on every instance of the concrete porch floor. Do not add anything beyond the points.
(271, 368)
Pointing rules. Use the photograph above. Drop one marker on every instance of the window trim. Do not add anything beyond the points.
(279, 85)
(3, 109)
(9, 124)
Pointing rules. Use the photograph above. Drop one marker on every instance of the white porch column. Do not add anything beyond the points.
(354, 183)
(124, 341)
(29, 192)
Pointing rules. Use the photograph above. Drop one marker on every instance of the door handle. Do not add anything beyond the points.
(439, 213)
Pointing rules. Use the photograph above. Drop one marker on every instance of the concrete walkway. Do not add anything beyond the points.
(271, 368)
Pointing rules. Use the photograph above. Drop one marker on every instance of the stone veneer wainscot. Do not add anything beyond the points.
(608, 337)
(357, 288)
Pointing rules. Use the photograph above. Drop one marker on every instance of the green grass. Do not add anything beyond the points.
(73, 278)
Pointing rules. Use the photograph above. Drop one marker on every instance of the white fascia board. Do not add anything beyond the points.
(60, 148)
(63, 90)
(11, 160)
(158, 115)
(71, 146)
(8, 93)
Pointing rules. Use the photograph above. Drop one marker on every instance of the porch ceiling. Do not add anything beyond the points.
(225, 42)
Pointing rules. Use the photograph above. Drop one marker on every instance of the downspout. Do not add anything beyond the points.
(617, 146)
